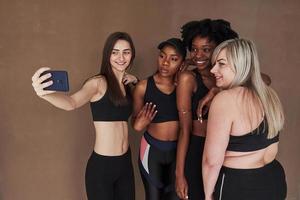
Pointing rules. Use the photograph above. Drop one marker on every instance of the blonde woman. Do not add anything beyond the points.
(243, 130)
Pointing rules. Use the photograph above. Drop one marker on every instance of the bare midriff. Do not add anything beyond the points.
(166, 131)
(250, 160)
(111, 138)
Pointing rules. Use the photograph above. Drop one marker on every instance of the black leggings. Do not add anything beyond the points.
(110, 177)
(193, 168)
(157, 162)
(265, 183)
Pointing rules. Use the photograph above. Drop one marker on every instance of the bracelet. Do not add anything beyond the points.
(184, 111)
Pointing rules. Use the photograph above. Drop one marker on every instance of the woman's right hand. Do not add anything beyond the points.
(145, 116)
(37, 82)
(182, 188)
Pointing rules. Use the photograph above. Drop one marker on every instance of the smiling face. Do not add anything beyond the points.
(121, 55)
(201, 52)
(223, 70)
(169, 61)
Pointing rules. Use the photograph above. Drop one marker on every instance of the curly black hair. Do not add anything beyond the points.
(217, 30)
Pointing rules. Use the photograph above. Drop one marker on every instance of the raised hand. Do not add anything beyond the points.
(204, 103)
(129, 78)
(37, 82)
(145, 116)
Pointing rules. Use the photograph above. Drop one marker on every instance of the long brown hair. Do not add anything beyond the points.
(113, 89)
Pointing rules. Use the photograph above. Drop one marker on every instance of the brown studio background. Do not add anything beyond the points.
(44, 150)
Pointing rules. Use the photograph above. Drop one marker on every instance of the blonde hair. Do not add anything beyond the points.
(243, 56)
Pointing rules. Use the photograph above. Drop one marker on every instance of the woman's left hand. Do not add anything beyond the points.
(204, 103)
(129, 78)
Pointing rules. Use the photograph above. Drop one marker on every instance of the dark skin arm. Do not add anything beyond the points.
(184, 91)
(204, 103)
(266, 78)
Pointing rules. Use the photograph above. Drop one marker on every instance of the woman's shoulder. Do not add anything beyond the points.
(223, 95)
(186, 76)
(141, 86)
(98, 79)
(230, 94)
(142, 83)
(225, 98)
(223, 105)
(97, 83)
(228, 98)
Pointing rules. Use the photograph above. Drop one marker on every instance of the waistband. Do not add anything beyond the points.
(271, 165)
(160, 144)
(126, 155)
(197, 137)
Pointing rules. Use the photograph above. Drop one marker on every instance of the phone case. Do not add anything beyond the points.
(60, 81)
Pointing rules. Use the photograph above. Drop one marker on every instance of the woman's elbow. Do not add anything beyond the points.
(72, 106)
(69, 108)
(211, 162)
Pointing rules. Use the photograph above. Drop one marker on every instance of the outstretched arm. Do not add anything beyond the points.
(61, 100)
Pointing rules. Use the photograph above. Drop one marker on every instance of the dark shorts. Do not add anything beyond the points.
(265, 183)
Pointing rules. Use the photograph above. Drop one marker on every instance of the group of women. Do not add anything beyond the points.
(184, 152)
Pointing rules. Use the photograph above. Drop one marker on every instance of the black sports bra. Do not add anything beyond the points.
(105, 110)
(253, 141)
(165, 103)
(201, 91)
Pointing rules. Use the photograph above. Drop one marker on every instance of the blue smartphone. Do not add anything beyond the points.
(60, 80)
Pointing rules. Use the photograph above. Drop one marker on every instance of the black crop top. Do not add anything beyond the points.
(253, 141)
(105, 110)
(201, 91)
(165, 103)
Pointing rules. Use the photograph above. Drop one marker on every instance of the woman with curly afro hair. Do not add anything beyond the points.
(201, 38)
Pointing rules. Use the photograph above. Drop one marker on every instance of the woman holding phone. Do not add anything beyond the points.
(109, 172)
